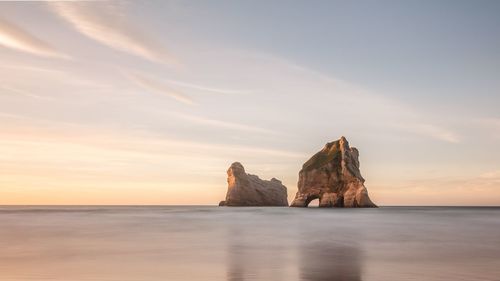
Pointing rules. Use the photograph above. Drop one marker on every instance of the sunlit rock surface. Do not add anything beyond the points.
(332, 176)
(249, 190)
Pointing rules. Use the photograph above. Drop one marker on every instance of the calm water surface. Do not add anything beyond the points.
(213, 243)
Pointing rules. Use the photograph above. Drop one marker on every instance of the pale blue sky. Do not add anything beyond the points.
(411, 49)
(150, 102)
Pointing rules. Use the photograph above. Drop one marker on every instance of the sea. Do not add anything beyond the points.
(169, 243)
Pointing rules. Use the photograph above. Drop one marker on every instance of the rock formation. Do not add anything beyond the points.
(332, 176)
(249, 190)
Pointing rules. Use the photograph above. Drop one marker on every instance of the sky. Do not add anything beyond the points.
(149, 102)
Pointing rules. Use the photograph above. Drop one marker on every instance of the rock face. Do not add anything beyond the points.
(249, 190)
(332, 176)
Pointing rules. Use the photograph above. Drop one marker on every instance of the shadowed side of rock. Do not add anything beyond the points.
(249, 190)
(332, 175)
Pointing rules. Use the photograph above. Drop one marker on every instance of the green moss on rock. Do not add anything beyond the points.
(330, 153)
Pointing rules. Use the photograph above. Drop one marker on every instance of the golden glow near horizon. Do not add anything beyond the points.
(102, 105)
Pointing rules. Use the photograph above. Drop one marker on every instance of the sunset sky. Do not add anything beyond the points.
(150, 102)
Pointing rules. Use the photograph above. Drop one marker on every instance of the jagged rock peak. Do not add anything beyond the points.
(249, 190)
(236, 169)
(332, 175)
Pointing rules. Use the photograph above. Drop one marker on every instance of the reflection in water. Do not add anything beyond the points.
(329, 262)
(186, 243)
(289, 249)
(254, 257)
(237, 261)
(329, 250)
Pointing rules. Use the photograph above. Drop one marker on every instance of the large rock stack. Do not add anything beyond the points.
(332, 175)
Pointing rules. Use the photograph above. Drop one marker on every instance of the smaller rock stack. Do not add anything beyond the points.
(249, 190)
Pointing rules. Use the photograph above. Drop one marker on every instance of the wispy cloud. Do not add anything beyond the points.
(451, 191)
(439, 133)
(14, 37)
(140, 143)
(490, 125)
(493, 175)
(20, 92)
(436, 132)
(312, 96)
(104, 23)
(206, 89)
(407, 118)
(158, 87)
(14, 116)
(46, 75)
(32, 68)
(224, 124)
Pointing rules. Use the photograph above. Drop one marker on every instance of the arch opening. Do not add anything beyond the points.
(312, 201)
(313, 204)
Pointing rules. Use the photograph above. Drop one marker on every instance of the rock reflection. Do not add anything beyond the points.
(250, 257)
(237, 261)
(330, 261)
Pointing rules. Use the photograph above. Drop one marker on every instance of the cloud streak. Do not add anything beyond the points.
(224, 124)
(14, 37)
(103, 23)
(140, 144)
(207, 89)
(482, 189)
(432, 131)
(438, 133)
(415, 122)
(47, 75)
(156, 86)
(313, 96)
(20, 92)
(490, 125)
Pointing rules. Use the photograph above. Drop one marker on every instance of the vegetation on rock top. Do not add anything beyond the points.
(331, 153)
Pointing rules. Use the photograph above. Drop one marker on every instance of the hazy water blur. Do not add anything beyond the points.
(234, 244)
